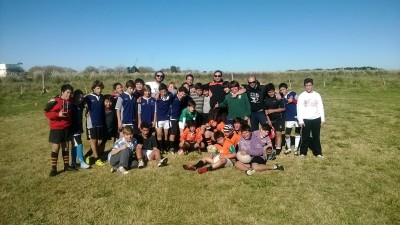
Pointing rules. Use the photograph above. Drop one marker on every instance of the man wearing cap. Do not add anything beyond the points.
(256, 94)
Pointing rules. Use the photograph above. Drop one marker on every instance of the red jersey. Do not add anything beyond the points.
(52, 110)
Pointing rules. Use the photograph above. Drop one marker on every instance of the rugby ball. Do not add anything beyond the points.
(216, 159)
(211, 148)
(243, 158)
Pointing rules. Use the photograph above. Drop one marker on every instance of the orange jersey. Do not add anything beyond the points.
(234, 139)
(227, 149)
(220, 126)
(187, 135)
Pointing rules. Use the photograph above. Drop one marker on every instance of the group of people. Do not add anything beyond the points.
(195, 117)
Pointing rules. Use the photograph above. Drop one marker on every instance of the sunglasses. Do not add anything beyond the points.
(252, 82)
(217, 75)
(160, 76)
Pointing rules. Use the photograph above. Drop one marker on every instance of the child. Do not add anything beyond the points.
(120, 157)
(206, 107)
(76, 130)
(265, 137)
(191, 139)
(188, 114)
(126, 106)
(163, 108)
(147, 147)
(117, 90)
(147, 108)
(290, 99)
(225, 151)
(95, 121)
(251, 144)
(231, 135)
(237, 125)
(311, 116)
(198, 98)
(213, 126)
(58, 112)
(172, 88)
(176, 110)
(274, 111)
(111, 126)
(238, 106)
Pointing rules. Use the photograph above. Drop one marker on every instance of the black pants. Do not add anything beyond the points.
(314, 143)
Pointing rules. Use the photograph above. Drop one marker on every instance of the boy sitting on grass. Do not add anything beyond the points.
(224, 156)
(121, 155)
(147, 147)
(191, 139)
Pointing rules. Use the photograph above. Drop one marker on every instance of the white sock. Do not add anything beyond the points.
(296, 141)
(288, 144)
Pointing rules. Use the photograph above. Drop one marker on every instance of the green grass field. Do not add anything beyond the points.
(356, 183)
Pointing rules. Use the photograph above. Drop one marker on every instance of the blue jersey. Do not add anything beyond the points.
(126, 104)
(291, 108)
(95, 106)
(147, 107)
(163, 107)
(177, 107)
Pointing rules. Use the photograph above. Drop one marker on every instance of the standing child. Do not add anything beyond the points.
(117, 90)
(311, 116)
(58, 112)
(206, 107)
(77, 130)
(111, 126)
(121, 155)
(147, 108)
(198, 98)
(147, 147)
(163, 108)
(224, 156)
(176, 110)
(126, 106)
(191, 139)
(95, 121)
(290, 99)
(274, 111)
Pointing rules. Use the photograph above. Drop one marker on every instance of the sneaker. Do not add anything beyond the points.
(287, 151)
(84, 165)
(202, 170)
(302, 156)
(272, 156)
(162, 162)
(53, 173)
(250, 172)
(69, 169)
(180, 152)
(172, 150)
(320, 156)
(141, 163)
(88, 160)
(296, 153)
(189, 167)
(113, 169)
(122, 170)
(279, 167)
(100, 163)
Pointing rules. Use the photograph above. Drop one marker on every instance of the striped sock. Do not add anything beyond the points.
(54, 158)
(65, 155)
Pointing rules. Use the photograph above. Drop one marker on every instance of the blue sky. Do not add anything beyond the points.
(236, 35)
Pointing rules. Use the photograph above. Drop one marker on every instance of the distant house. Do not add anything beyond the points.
(10, 69)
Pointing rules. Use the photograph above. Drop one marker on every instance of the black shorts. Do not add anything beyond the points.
(96, 133)
(205, 118)
(59, 136)
(278, 124)
(258, 159)
(76, 140)
(174, 127)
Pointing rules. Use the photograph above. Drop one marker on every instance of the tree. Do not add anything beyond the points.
(175, 69)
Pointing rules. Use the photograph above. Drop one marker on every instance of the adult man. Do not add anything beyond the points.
(159, 78)
(311, 116)
(256, 94)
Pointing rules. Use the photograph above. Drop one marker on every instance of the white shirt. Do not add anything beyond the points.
(310, 106)
(154, 87)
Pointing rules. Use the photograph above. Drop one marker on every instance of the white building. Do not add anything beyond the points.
(8, 69)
